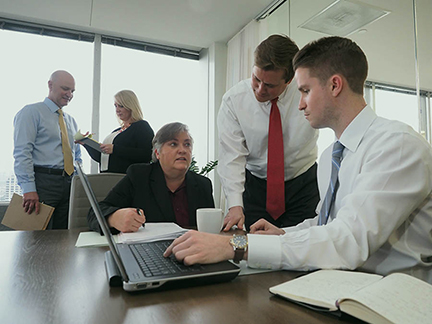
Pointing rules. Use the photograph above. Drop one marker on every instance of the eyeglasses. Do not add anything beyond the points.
(118, 105)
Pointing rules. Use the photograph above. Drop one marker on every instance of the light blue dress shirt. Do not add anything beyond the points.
(37, 141)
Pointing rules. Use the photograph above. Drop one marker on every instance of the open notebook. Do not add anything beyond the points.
(141, 266)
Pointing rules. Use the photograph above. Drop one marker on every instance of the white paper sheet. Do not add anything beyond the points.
(151, 232)
(92, 239)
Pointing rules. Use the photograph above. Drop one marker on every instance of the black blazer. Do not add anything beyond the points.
(144, 186)
(134, 145)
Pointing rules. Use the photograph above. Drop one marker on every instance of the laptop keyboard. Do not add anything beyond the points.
(152, 262)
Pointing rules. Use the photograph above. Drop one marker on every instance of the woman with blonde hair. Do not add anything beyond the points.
(130, 143)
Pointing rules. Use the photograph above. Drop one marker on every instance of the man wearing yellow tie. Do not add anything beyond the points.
(44, 150)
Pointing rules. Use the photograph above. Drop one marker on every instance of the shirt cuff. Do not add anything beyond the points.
(28, 187)
(264, 251)
(234, 200)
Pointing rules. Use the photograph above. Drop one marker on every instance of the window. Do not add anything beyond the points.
(169, 89)
(397, 106)
(27, 63)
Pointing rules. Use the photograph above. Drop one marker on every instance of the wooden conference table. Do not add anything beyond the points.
(44, 278)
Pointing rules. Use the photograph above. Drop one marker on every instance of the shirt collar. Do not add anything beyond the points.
(51, 105)
(281, 96)
(284, 93)
(354, 133)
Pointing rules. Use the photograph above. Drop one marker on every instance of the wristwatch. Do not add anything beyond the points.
(239, 244)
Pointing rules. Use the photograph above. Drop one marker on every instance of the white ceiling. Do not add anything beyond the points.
(387, 42)
(191, 24)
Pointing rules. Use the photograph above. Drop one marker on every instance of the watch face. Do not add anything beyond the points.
(240, 241)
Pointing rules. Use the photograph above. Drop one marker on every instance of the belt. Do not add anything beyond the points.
(52, 171)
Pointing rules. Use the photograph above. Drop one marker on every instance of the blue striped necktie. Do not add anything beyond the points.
(334, 184)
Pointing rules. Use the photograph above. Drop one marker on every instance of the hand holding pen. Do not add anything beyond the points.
(139, 212)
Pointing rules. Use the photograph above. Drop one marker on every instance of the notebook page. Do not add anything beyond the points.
(398, 297)
(324, 287)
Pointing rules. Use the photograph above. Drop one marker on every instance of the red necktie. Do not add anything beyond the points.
(275, 205)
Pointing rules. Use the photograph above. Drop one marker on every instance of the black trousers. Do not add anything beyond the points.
(54, 190)
(301, 199)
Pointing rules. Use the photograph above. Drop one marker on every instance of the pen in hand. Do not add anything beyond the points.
(140, 213)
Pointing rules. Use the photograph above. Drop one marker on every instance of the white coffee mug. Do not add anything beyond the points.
(209, 220)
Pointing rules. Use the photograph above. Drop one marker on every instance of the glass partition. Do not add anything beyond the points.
(424, 53)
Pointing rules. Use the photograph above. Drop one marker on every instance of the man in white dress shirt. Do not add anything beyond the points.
(243, 124)
(381, 220)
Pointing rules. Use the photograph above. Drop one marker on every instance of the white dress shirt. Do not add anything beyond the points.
(382, 217)
(105, 157)
(243, 125)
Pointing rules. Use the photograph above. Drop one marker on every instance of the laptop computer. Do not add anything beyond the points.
(141, 266)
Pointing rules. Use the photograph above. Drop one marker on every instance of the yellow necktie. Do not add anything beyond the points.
(66, 149)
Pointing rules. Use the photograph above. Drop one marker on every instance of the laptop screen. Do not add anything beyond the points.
(102, 222)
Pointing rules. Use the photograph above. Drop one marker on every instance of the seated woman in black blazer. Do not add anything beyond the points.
(163, 191)
(128, 144)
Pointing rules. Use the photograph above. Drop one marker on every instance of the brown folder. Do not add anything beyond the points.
(16, 218)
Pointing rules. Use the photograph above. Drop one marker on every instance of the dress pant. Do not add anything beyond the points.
(301, 199)
(54, 190)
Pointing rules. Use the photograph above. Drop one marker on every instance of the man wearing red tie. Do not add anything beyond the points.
(375, 183)
(267, 150)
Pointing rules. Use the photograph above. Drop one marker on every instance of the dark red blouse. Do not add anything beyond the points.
(180, 205)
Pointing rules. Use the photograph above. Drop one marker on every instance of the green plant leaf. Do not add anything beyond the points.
(204, 170)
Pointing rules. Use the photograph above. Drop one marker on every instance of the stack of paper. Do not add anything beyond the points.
(152, 232)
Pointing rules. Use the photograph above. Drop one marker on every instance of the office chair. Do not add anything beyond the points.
(79, 205)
